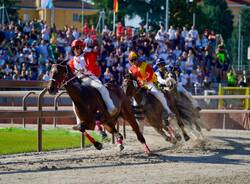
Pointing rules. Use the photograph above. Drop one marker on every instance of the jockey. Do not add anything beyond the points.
(162, 74)
(78, 67)
(146, 77)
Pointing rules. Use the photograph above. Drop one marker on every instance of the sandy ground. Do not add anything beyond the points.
(225, 158)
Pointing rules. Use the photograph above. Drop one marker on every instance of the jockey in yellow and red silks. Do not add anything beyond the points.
(79, 67)
(146, 76)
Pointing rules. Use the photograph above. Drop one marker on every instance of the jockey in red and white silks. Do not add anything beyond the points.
(78, 67)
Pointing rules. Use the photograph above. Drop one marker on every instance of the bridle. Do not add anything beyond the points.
(64, 82)
(135, 85)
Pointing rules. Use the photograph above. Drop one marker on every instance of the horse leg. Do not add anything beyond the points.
(128, 115)
(164, 135)
(178, 118)
(140, 124)
(110, 127)
(98, 127)
(83, 129)
(172, 127)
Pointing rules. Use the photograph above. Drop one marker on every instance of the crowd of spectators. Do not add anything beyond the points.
(30, 48)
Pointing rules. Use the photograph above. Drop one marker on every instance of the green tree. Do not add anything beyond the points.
(218, 17)
(212, 14)
(11, 8)
(245, 33)
(245, 27)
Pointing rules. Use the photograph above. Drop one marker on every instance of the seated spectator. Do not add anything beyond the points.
(107, 75)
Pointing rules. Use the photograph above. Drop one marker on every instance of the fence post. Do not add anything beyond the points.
(221, 101)
(247, 101)
(224, 121)
(12, 104)
(56, 103)
(39, 120)
(82, 140)
(24, 104)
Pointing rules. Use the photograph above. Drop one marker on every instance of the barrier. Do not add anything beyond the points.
(41, 112)
(230, 90)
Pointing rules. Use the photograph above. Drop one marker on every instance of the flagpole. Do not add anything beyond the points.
(113, 21)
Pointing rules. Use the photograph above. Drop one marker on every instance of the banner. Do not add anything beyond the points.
(115, 8)
(46, 4)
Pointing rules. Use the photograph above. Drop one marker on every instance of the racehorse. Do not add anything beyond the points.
(87, 101)
(153, 109)
(188, 115)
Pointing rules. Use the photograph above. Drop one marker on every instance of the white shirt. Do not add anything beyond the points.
(171, 33)
(194, 33)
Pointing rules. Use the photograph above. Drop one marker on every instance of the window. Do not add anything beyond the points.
(75, 17)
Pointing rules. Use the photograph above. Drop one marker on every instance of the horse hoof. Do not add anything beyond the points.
(186, 137)
(98, 145)
(178, 137)
(103, 135)
(121, 147)
(174, 141)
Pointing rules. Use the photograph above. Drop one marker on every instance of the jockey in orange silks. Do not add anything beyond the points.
(146, 77)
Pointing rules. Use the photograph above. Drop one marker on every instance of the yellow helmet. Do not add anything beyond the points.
(132, 56)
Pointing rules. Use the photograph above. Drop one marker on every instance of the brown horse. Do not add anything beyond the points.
(153, 110)
(87, 101)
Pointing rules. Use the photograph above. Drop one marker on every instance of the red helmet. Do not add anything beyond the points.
(78, 43)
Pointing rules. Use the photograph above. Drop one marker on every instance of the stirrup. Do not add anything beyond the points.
(171, 116)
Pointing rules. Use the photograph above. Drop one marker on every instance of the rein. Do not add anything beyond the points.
(64, 82)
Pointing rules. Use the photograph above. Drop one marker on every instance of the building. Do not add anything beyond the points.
(64, 12)
(235, 6)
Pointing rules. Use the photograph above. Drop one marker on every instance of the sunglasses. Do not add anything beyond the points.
(132, 60)
(77, 47)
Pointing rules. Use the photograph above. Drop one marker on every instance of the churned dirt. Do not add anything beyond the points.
(224, 158)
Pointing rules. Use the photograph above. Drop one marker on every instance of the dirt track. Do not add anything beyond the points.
(224, 159)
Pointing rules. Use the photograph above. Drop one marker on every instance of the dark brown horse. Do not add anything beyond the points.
(153, 110)
(87, 101)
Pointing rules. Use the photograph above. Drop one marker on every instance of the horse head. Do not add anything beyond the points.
(170, 84)
(130, 85)
(59, 74)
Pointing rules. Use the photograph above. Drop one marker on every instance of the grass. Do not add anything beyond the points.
(18, 140)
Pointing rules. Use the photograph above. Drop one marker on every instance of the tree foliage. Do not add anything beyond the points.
(245, 27)
(218, 17)
(11, 8)
(212, 14)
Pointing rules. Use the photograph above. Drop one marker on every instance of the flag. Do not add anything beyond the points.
(46, 4)
(115, 8)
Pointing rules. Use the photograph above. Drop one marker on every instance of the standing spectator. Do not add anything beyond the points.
(194, 34)
(231, 78)
(43, 50)
(76, 34)
(85, 29)
(212, 40)
(171, 36)
(45, 33)
(190, 62)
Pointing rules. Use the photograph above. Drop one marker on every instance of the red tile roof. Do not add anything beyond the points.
(240, 2)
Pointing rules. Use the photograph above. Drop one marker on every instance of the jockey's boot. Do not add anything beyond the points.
(77, 127)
